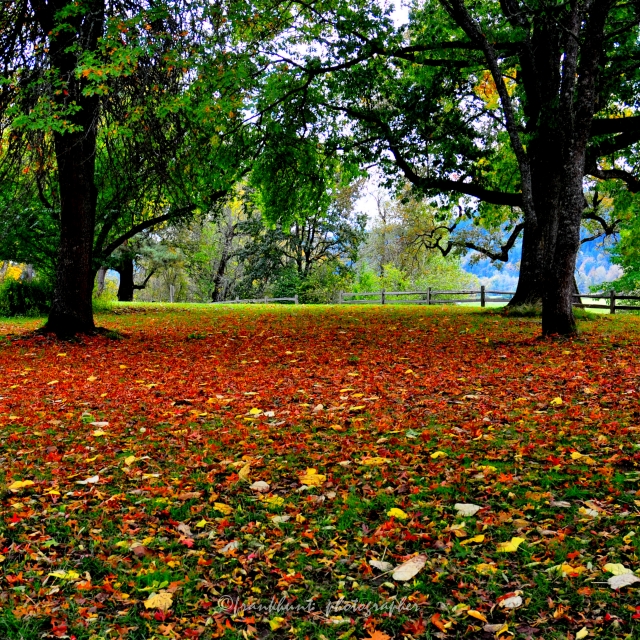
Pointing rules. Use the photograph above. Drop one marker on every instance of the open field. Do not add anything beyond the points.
(129, 464)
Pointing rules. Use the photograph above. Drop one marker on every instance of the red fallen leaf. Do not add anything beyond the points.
(573, 554)
(436, 621)
(59, 628)
(414, 627)
(505, 596)
(187, 542)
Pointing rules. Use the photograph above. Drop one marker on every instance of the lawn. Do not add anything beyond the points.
(263, 471)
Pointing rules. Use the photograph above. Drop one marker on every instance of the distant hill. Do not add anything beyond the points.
(593, 268)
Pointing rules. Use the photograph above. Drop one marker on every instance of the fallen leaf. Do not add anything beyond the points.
(511, 603)
(397, 513)
(476, 614)
(260, 485)
(438, 454)
(383, 565)
(583, 633)
(91, 480)
(243, 474)
(276, 622)
(20, 484)
(624, 580)
(478, 538)
(511, 546)
(616, 569)
(312, 478)
(223, 508)
(162, 601)
(466, 509)
(410, 568)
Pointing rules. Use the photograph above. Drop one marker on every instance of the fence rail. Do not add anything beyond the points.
(432, 296)
(257, 300)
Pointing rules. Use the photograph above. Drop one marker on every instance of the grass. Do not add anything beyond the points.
(406, 408)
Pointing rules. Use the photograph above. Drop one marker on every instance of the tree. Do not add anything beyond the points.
(399, 252)
(515, 106)
(76, 75)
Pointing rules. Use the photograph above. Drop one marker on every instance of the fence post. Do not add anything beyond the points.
(171, 292)
(340, 297)
(382, 297)
(296, 298)
(482, 296)
(429, 296)
(237, 298)
(266, 300)
(612, 301)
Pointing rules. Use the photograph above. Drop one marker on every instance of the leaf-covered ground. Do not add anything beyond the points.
(235, 473)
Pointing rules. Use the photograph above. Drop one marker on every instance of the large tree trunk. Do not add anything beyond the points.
(560, 284)
(531, 278)
(71, 310)
(102, 274)
(127, 286)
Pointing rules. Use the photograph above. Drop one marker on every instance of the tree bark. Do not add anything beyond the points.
(530, 287)
(102, 273)
(71, 309)
(127, 285)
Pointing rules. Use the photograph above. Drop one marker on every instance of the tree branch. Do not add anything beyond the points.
(143, 226)
(146, 280)
(461, 16)
(632, 182)
(604, 126)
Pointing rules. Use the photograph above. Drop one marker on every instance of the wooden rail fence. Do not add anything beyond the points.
(257, 300)
(432, 296)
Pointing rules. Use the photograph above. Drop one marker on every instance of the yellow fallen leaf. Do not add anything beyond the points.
(162, 601)
(20, 484)
(274, 501)
(243, 474)
(575, 455)
(438, 454)
(476, 614)
(92, 379)
(312, 478)
(511, 546)
(276, 623)
(556, 402)
(569, 570)
(583, 633)
(371, 462)
(478, 538)
(255, 412)
(397, 513)
(98, 432)
(53, 382)
(129, 460)
(616, 569)
(486, 569)
(2, 558)
(65, 575)
(202, 523)
(123, 366)
(223, 508)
